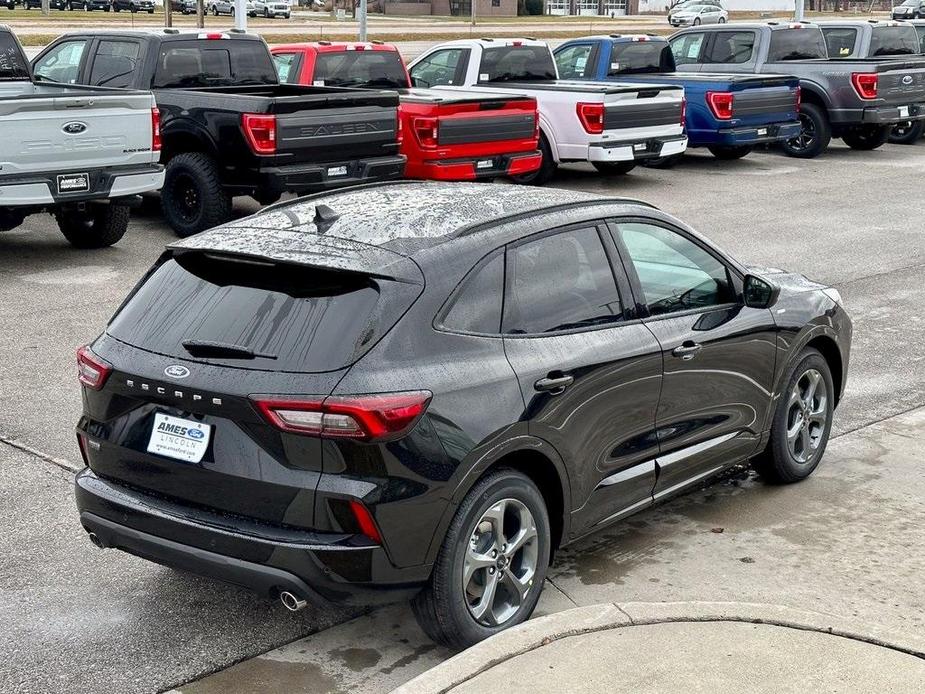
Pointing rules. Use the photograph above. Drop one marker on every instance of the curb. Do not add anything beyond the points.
(594, 618)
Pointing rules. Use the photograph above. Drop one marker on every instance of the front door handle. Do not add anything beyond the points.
(554, 384)
(687, 351)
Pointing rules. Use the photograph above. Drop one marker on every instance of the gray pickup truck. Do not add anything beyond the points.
(84, 154)
(858, 100)
(872, 38)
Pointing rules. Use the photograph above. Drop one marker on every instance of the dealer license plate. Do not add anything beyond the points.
(640, 147)
(484, 164)
(337, 171)
(903, 111)
(73, 183)
(181, 439)
(762, 132)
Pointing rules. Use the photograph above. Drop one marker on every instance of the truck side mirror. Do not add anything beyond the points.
(759, 292)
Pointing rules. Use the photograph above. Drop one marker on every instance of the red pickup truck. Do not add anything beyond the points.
(446, 135)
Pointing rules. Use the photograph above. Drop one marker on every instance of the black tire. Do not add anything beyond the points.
(776, 463)
(193, 198)
(866, 137)
(815, 136)
(614, 168)
(10, 218)
(727, 153)
(97, 226)
(441, 607)
(547, 167)
(907, 133)
(267, 197)
(662, 162)
(722, 20)
(266, 13)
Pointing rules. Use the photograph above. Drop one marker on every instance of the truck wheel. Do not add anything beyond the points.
(547, 168)
(802, 422)
(193, 198)
(97, 226)
(10, 219)
(614, 168)
(866, 137)
(907, 133)
(492, 564)
(815, 135)
(729, 153)
(662, 162)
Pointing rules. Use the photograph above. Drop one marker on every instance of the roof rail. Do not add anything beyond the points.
(616, 36)
(487, 38)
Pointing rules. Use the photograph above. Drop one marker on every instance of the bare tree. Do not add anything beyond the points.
(200, 13)
(168, 13)
(46, 8)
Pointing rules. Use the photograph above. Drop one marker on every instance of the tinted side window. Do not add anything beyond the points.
(898, 40)
(476, 305)
(208, 63)
(731, 47)
(640, 56)
(574, 62)
(796, 44)
(686, 49)
(675, 273)
(839, 42)
(114, 63)
(438, 68)
(62, 63)
(12, 66)
(560, 282)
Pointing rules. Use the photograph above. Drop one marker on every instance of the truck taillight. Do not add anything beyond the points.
(381, 417)
(155, 130)
(91, 370)
(720, 104)
(536, 126)
(683, 110)
(260, 131)
(425, 130)
(865, 84)
(591, 117)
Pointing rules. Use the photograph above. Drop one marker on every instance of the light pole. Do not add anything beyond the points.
(798, 13)
(362, 18)
(240, 15)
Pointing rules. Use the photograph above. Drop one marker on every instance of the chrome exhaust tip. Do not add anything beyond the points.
(292, 602)
(97, 542)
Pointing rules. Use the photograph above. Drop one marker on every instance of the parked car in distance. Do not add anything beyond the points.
(856, 99)
(89, 5)
(694, 15)
(272, 8)
(726, 113)
(450, 136)
(909, 9)
(9, 4)
(82, 154)
(219, 7)
(611, 126)
(229, 127)
(876, 39)
(37, 4)
(188, 7)
(431, 387)
(133, 6)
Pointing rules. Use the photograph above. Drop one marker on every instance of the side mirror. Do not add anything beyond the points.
(759, 292)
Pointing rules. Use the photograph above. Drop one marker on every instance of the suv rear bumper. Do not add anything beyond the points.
(307, 178)
(38, 190)
(750, 135)
(474, 168)
(317, 567)
(638, 150)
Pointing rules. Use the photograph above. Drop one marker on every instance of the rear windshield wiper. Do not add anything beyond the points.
(206, 348)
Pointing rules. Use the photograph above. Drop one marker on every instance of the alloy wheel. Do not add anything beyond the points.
(187, 196)
(807, 134)
(500, 562)
(807, 415)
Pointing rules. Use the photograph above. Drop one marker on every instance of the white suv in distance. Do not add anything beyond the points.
(273, 8)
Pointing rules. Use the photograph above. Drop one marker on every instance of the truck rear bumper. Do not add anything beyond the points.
(472, 169)
(638, 150)
(306, 178)
(879, 115)
(751, 135)
(39, 190)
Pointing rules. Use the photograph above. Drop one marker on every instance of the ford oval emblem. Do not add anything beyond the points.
(75, 127)
(176, 371)
(907, 79)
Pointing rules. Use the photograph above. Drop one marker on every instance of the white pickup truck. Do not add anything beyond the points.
(83, 154)
(611, 125)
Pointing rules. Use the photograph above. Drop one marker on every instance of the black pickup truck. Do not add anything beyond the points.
(228, 127)
(858, 100)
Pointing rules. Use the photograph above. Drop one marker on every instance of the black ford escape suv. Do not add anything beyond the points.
(421, 390)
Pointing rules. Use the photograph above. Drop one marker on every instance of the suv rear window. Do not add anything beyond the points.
(213, 63)
(516, 63)
(796, 44)
(12, 65)
(901, 40)
(292, 318)
(640, 56)
(360, 69)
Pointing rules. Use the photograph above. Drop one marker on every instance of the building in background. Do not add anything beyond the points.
(615, 8)
(454, 8)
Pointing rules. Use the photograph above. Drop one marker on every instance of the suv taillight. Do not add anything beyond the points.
(720, 104)
(865, 84)
(155, 130)
(260, 131)
(91, 370)
(425, 130)
(381, 417)
(591, 117)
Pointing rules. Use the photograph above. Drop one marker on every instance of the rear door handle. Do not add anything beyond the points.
(554, 384)
(687, 351)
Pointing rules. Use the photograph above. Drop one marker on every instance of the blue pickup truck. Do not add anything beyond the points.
(727, 114)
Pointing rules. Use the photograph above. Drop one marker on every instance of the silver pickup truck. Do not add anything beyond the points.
(83, 154)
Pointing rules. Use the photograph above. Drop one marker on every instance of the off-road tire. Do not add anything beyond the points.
(98, 226)
(214, 206)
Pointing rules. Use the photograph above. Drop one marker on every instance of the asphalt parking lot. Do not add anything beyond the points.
(81, 619)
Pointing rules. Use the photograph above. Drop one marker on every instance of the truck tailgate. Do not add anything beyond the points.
(901, 82)
(764, 104)
(645, 108)
(491, 120)
(48, 131)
